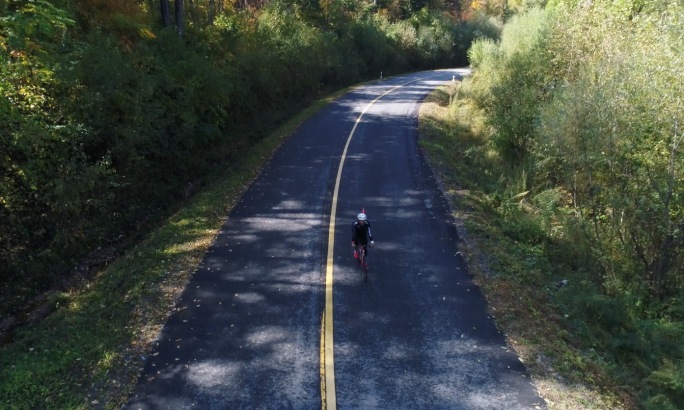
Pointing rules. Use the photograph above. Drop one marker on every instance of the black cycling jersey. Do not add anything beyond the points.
(361, 234)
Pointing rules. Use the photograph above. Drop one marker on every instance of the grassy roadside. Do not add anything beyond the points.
(88, 353)
(515, 274)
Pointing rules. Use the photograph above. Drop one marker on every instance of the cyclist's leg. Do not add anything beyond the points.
(365, 259)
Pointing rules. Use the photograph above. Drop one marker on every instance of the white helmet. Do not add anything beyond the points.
(361, 216)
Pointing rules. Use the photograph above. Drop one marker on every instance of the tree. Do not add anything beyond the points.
(165, 13)
(180, 17)
(179, 13)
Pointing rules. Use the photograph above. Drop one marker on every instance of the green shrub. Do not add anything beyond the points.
(373, 46)
(509, 82)
(668, 379)
(524, 228)
(468, 32)
(611, 139)
(405, 38)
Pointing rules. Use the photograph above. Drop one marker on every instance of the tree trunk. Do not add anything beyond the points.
(667, 250)
(180, 17)
(165, 13)
(211, 12)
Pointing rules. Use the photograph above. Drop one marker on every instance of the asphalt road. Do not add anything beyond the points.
(415, 336)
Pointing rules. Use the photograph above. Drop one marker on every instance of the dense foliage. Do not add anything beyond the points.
(583, 103)
(108, 120)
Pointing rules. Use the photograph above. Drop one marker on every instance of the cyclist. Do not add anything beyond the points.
(361, 233)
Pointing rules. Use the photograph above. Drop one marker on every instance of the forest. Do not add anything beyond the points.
(113, 112)
(114, 115)
(577, 113)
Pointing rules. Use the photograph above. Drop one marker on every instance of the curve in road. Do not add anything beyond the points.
(249, 331)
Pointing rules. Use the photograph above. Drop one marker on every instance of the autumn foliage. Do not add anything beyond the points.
(106, 117)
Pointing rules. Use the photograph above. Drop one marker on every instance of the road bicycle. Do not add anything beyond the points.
(362, 260)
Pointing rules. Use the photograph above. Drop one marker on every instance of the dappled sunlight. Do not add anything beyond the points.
(451, 355)
(491, 398)
(249, 297)
(358, 157)
(459, 372)
(210, 374)
(393, 202)
(398, 212)
(198, 244)
(259, 291)
(396, 352)
(268, 335)
(187, 223)
(289, 223)
(107, 359)
(245, 238)
(562, 395)
(172, 371)
(260, 271)
(289, 204)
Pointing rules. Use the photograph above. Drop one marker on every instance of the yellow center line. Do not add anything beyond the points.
(327, 353)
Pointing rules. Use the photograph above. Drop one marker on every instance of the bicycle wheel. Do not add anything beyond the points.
(364, 264)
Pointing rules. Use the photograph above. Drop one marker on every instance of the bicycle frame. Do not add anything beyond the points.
(363, 261)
